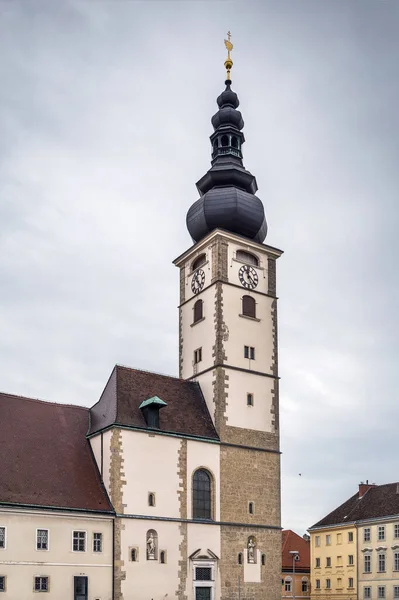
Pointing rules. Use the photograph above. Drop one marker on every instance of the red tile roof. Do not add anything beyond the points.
(45, 458)
(378, 501)
(186, 411)
(293, 541)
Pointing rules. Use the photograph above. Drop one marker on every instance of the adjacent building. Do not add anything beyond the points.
(56, 521)
(168, 486)
(355, 549)
(295, 565)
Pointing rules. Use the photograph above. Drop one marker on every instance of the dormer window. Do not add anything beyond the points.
(247, 257)
(150, 409)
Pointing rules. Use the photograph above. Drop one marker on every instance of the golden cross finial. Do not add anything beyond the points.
(228, 63)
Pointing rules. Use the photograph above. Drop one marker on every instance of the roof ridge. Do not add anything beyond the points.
(39, 401)
(118, 366)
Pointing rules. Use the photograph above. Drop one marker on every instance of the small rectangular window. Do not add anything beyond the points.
(396, 531)
(328, 584)
(42, 539)
(317, 584)
(339, 583)
(366, 535)
(317, 541)
(350, 536)
(197, 355)
(367, 563)
(250, 399)
(97, 542)
(328, 540)
(79, 541)
(249, 352)
(328, 561)
(251, 508)
(350, 559)
(381, 591)
(396, 561)
(381, 533)
(396, 591)
(339, 538)
(350, 582)
(2, 583)
(41, 584)
(2, 537)
(317, 563)
(366, 592)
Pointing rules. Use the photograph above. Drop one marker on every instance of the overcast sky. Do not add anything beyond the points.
(105, 111)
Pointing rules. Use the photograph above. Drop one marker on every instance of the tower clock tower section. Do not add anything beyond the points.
(228, 344)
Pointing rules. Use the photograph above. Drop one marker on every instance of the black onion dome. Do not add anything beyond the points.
(227, 115)
(227, 190)
(228, 97)
(228, 208)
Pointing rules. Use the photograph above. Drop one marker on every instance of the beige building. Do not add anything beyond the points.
(355, 549)
(185, 469)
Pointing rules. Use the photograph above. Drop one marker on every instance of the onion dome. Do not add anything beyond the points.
(227, 191)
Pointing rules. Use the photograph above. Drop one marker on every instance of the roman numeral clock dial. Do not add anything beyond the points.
(197, 282)
(248, 277)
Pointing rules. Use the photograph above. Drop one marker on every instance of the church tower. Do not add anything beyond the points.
(228, 344)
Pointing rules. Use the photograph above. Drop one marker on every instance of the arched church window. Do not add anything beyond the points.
(198, 262)
(225, 140)
(247, 257)
(198, 311)
(133, 554)
(151, 499)
(202, 492)
(162, 557)
(215, 145)
(234, 142)
(249, 306)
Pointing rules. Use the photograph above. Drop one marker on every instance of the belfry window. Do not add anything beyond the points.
(202, 502)
(198, 262)
(234, 142)
(249, 306)
(198, 311)
(225, 140)
(247, 257)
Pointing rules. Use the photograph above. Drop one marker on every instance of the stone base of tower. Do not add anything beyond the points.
(250, 581)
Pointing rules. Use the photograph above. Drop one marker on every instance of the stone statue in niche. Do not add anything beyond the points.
(151, 546)
(251, 549)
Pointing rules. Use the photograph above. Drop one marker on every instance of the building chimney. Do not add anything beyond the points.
(364, 487)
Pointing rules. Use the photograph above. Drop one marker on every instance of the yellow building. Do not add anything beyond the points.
(333, 561)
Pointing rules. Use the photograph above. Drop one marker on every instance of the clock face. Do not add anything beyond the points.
(198, 280)
(248, 277)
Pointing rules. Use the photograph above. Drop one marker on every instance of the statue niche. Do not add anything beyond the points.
(251, 549)
(152, 544)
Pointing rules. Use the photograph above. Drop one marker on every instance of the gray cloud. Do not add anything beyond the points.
(105, 115)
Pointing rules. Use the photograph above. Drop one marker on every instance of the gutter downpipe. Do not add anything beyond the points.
(357, 560)
(113, 558)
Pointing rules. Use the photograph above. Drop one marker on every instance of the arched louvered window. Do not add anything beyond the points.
(247, 257)
(225, 140)
(202, 492)
(198, 262)
(198, 311)
(249, 306)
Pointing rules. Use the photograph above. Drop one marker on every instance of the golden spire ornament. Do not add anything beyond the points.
(228, 63)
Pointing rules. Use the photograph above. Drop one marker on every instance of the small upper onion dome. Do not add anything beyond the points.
(227, 115)
(228, 97)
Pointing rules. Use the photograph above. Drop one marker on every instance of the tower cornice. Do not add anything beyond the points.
(234, 237)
